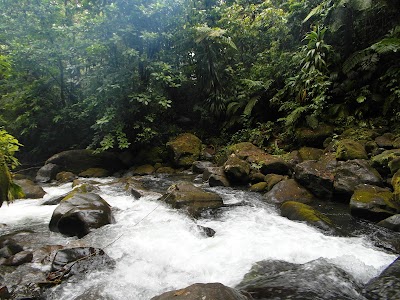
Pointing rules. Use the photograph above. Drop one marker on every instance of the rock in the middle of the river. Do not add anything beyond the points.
(81, 213)
(194, 199)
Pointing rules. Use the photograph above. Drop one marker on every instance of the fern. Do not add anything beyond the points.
(294, 116)
(250, 105)
(387, 45)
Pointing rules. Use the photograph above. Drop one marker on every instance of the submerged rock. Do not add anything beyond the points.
(203, 291)
(195, 200)
(80, 214)
(78, 261)
(315, 280)
(386, 285)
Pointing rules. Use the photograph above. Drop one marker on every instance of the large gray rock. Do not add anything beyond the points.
(316, 177)
(187, 196)
(280, 280)
(215, 176)
(80, 214)
(351, 173)
(288, 190)
(237, 170)
(77, 161)
(386, 285)
(30, 189)
(47, 173)
(204, 291)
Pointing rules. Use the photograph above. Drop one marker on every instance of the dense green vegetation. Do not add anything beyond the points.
(117, 74)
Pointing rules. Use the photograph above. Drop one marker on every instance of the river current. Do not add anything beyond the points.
(158, 248)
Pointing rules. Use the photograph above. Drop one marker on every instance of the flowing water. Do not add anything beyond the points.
(158, 248)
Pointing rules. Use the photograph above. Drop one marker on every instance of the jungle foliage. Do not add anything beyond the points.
(119, 74)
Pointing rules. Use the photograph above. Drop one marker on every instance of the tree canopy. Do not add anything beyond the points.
(116, 74)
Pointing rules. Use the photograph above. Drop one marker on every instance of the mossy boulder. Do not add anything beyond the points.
(396, 143)
(272, 179)
(81, 189)
(394, 165)
(95, 172)
(65, 177)
(5, 181)
(316, 177)
(184, 149)
(288, 190)
(267, 163)
(373, 203)
(381, 161)
(243, 150)
(259, 187)
(349, 149)
(396, 186)
(237, 170)
(203, 291)
(386, 140)
(77, 161)
(30, 189)
(359, 134)
(166, 170)
(150, 155)
(80, 214)
(185, 195)
(302, 212)
(313, 137)
(309, 153)
(144, 170)
(352, 173)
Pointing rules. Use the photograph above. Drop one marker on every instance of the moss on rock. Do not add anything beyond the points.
(185, 149)
(349, 149)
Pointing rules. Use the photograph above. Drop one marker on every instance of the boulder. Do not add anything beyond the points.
(144, 170)
(386, 140)
(373, 203)
(184, 149)
(200, 166)
(79, 214)
(78, 261)
(64, 177)
(352, 173)
(195, 200)
(316, 177)
(256, 176)
(77, 161)
(302, 212)
(244, 150)
(392, 223)
(272, 179)
(288, 190)
(386, 285)
(359, 134)
(19, 259)
(237, 170)
(203, 291)
(9, 247)
(95, 172)
(47, 173)
(396, 185)
(309, 153)
(349, 149)
(166, 170)
(259, 187)
(394, 165)
(381, 161)
(314, 137)
(30, 189)
(396, 143)
(317, 279)
(268, 164)
(215, 176)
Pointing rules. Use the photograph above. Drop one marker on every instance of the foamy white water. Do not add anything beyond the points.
(166, 250)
